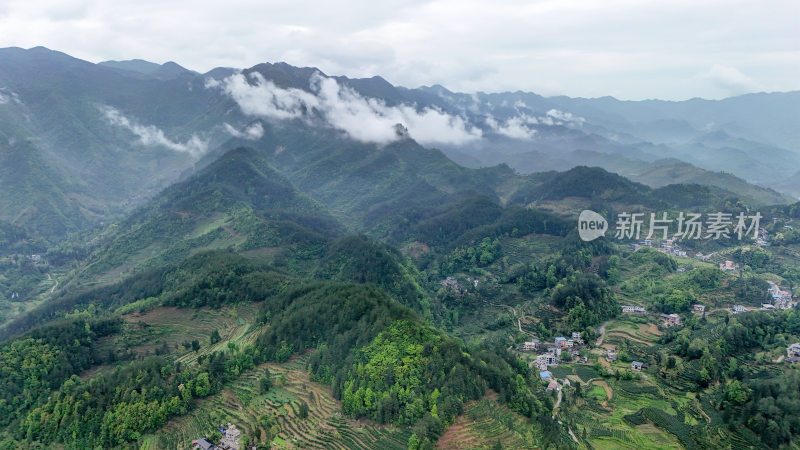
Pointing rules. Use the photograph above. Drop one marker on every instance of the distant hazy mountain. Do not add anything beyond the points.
(164, 71)
(83, 143)
(101, 138)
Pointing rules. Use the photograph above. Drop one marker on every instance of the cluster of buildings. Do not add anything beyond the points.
(780, 299)
(553, 382)
(555, 351)
(667, 246)
(453, 285)
(669, 319)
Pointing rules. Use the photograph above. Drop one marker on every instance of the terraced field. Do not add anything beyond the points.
(172, 326)
(487, 423)
(601, 416)
(623, 330)
(242, 404)
(528, 248)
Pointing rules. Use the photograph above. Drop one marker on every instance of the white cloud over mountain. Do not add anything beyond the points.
(151, 135)
(363, 119)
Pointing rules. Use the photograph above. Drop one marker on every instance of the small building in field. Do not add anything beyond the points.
(545, 375)
(530, 346)
(728, 266)
(631, 309)
(611, 354)
(553, 386)
(736, 309)
(793, 352)
(699, 309)
(671, 320)
(637, 366)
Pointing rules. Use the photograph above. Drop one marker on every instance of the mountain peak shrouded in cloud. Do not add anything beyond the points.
(365, 119)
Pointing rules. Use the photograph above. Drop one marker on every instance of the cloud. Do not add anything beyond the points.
(731, 80)
(7, 96)
(562, 118)
(151, 135)
(363, 119)
(519, 126)
(251, 132)
(515, 127)
(263, 98)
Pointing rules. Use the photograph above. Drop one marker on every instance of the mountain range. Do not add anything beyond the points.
(83, 143)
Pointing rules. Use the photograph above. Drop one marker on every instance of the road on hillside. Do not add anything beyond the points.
(602, 331)
(49, 278)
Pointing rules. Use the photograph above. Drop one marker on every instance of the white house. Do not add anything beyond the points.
(630, 309)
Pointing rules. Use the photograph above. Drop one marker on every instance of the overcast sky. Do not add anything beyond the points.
(669, 49)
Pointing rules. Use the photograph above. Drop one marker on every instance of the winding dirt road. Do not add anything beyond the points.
(52, 289)
(602, 331)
